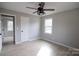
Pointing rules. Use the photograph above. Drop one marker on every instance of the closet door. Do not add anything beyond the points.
(24, 28)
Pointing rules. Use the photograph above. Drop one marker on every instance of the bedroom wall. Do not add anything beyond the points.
(18, 23)
(65, 28)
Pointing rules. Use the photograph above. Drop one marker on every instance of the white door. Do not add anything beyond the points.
(24, 28)
(0, 35)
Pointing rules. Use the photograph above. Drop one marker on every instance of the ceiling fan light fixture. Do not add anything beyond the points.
(40, 10)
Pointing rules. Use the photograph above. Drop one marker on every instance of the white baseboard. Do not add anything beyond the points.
(0, 45)
(18, 42)
(69, 47)
(31, 39)
(0, 49)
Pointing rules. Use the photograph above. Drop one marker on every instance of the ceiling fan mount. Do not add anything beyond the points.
(40, 10)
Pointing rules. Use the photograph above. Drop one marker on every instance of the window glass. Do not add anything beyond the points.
(10, 25)
(48, 25)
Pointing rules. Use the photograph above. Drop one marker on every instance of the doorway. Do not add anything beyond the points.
(8, 29)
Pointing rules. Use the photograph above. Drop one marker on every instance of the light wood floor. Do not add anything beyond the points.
(34, 48)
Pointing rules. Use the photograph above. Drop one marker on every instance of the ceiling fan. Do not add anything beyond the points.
(40, 10)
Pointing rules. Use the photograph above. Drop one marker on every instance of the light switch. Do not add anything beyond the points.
(17, 28)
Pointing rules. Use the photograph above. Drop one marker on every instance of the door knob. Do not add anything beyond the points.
(0, 34)
(22, 31)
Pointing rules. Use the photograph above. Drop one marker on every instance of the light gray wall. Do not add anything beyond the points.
(18, 22)
(65, 28)
(34, 28)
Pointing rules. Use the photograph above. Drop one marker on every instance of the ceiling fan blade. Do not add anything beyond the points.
(41, 4)
(49, 9)
(34, 12)
(31, 8)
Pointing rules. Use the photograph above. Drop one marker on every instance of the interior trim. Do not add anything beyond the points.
(14, 18)
(69, 47)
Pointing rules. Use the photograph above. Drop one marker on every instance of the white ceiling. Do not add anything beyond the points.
(21, 6)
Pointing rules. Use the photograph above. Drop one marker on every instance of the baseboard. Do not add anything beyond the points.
(18, 42)
(31, 39)
(69, 47)
(0, 45)
(0, 49)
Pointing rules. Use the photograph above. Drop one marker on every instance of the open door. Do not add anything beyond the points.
(8, 30)
(0, 35)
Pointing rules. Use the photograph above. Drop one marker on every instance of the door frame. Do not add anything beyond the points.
(8, 15)
(1, 36)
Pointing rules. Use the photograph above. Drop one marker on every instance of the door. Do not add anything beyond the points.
(7, 29)
(24, 28)
(0, 35)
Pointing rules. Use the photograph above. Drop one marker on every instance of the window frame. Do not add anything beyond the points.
(8, 25)
(48, 26)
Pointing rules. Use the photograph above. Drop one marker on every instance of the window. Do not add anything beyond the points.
(48, 26)
(10, 25)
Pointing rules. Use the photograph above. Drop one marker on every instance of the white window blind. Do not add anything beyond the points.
(48, 25)
(10, 25)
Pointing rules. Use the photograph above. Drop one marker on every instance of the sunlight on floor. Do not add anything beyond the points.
(44, 51)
